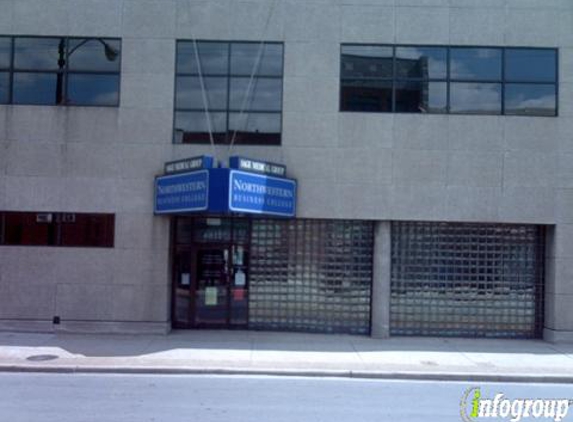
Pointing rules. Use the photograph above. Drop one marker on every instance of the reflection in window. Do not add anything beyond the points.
(266, 94)
(5, 52)
(93, 55)
(266, 62)
(421, 62)
(260, 128)
(366, 95)
(38, 53)
(366, 62)
(237, 108)
(4, 87)
(464, 80)
(101, 90)
(421, 97)
(61, 71)
(530, 65)
(478, 64)
(530, 99)
(193, 127)
(475, 98)
(35, 88)
(213, 58)
(189, 92)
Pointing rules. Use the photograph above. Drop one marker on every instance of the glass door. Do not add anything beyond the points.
(210, 294)
(239, 288)
(211, 272)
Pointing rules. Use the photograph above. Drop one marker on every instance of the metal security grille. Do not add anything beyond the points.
(472, 280)
(311, 275)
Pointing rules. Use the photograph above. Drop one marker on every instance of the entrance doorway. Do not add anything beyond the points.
(210, 270)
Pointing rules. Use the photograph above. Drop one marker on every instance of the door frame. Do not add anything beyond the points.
(191, 250)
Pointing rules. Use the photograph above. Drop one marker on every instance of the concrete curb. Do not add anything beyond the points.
(385, 375)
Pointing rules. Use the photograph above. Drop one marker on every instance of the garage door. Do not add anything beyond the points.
(311, 275)
(470, 280)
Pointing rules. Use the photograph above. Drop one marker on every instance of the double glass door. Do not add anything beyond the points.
(211, 279)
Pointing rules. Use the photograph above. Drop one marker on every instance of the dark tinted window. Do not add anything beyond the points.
(421, 62)
(29, 228)
(5, 52)
(475, 98)
(530, 99)
(95, 230)
(530, 65)
(366, 95)
(462, 80)
(367, 62)
(58, 229)
(218, 95)
(421, 97)
(483, 64)
(4, 87)
(61, 71)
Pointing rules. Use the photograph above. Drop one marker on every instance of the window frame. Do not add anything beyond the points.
(503, 81)
(65, 71)
(229, 75)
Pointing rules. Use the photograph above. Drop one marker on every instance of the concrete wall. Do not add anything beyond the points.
(349, 165)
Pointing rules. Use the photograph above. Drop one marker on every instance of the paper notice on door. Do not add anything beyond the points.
(240, 279)
(185, 279)
(210, 296)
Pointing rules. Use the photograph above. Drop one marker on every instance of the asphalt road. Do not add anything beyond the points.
(190, 398)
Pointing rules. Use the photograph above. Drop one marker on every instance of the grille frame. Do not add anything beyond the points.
(311, 275)
(467, 280)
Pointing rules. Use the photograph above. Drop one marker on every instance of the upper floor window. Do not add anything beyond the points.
(60, 71)
(464, 80)
(229, 90)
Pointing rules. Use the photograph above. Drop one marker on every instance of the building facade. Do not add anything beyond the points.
(431, 142)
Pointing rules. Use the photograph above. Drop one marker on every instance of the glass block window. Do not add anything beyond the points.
(446, 79)
(467, 280)
(60, 71)
(311, 275)
(214, 90)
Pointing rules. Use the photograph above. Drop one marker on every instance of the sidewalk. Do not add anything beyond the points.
(251, 352)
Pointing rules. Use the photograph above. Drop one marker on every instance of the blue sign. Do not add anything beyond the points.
(189, 164)
(184, 192)
(257, 166)
(260, 194)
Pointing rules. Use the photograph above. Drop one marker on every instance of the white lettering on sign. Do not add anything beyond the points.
(191, 164)
(181, 187)
(261, 167)
(262, 189)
